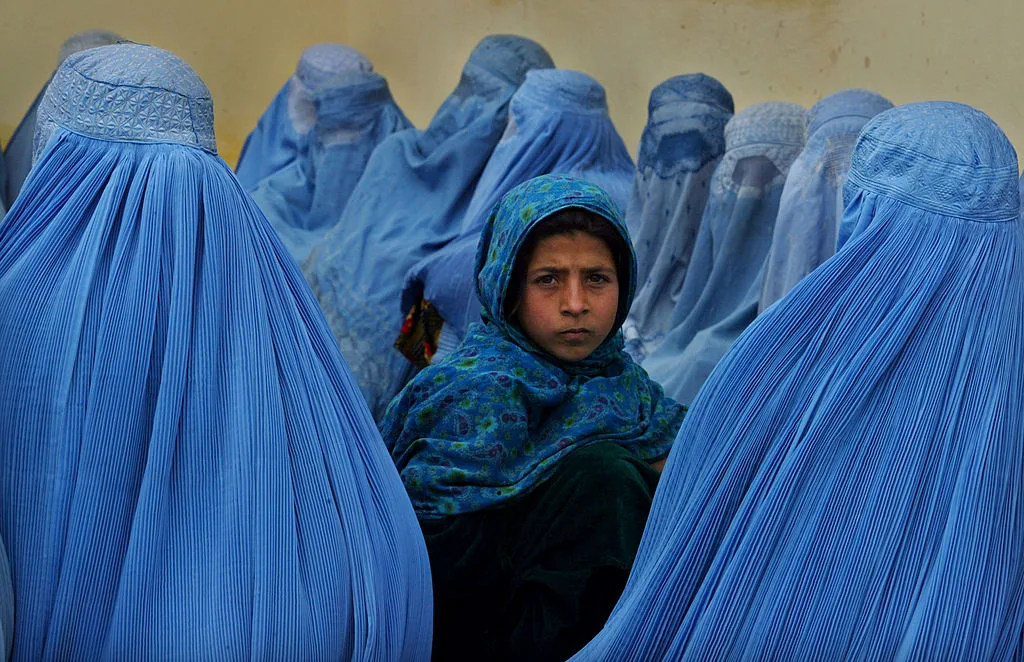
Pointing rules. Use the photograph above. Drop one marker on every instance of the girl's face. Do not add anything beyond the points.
(570, 296)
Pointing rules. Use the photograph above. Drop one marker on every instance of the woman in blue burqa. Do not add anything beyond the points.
(679, 150)
(352, 114)
(189, 469)
(848, 483)
(282, 133)
(410, 200)
(527, 451)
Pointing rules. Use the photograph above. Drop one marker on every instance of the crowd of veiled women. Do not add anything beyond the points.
(488, 390)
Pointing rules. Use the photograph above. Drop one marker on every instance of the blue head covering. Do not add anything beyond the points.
(723, 282)
(306, 198)
(812, 200)
(488, 423)
(559, 124)
(851, 478)
(281, 132)
(18, 153)
(410, 200)
(679, 150)
(184, 449)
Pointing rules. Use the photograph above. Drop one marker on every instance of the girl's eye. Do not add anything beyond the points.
(546, 279)
(599, 278)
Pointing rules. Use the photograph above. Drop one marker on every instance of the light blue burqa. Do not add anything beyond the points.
(812, 201)
(281, 132)
(18, 152)
(189, 469)
(848, 484)
(723, 283)
(306, 198)
(559, 125)
(411, 200)
(679, 150)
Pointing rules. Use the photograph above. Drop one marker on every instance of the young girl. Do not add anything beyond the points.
(527, 451)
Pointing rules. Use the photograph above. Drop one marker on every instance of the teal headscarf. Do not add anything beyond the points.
(490, 421)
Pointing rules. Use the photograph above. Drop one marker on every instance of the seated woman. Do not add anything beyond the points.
(527, 452)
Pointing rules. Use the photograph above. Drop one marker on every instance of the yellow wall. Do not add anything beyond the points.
(796, 50)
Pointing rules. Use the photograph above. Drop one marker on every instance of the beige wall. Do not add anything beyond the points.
(796, 50)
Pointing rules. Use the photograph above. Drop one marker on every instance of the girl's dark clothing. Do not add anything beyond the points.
(536, 579)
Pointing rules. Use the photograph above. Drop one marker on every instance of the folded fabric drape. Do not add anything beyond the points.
(189, 469)
(720, 293)
(680, 147)
(848, 483)
(812, 197)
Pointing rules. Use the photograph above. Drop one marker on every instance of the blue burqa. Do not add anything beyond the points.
(281, 132)
(848, 483)
(306, 198)
(559, 124)
(723, 282)
(410, 200)
(812, 199)
(18, 152)
(679, 150)
(189, 470)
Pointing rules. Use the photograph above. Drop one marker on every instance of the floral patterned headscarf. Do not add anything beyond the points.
(489, 422)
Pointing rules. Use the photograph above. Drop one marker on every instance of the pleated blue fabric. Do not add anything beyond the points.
(812, 198)
(189, 470)
(306, 198)
(18, 152)
(411, 200)
(281, 132)
(722, 287)
(850, 486)
(680, 147)
(559, 125)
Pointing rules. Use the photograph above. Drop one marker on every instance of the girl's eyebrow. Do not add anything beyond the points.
(562, 270)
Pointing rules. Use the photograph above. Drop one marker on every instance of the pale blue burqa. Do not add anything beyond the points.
(848, 484)
(679, 150)
(306, 198)
(559, 125)
(411, 200)
(281, 132)
(812, 201)
(189, 469)
(723, 282)
(18, 152)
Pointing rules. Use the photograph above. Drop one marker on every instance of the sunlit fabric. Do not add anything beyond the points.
(306, 198)
(281, 132)
(812, 202)
(189, 469)
(679, 149)
(411, 200)
(723, 282)
(559, 125)
(18, 152)
(851, 483)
